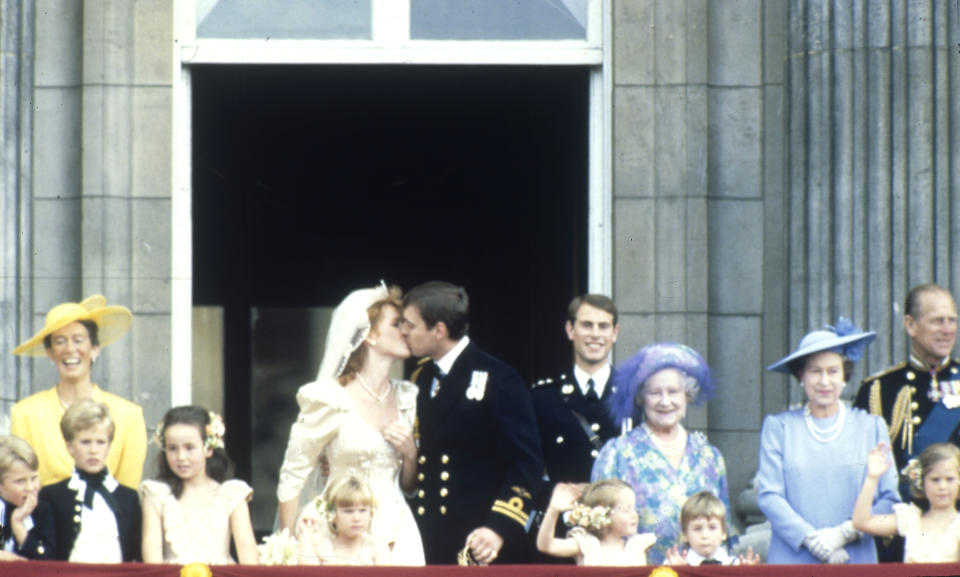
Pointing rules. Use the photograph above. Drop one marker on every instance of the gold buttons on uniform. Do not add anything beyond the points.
(443, 510)
(422, 459)
(911, 376)
(444, 476)
(443, 491)
(420, 493)
(76, 518)
(595, 427)
(594, 453)
(444, 459)
(40, 549)
(914, 405)
(421, 511)
(77, 508)
(916, 420)
(559, 439)
(419, 476)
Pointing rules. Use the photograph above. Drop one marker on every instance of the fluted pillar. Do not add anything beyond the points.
(874, 190)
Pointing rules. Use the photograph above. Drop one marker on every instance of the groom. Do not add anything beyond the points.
(480, 461)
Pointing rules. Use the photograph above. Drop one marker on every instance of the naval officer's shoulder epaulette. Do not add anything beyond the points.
(549, 381)
(885, 372)
(422, 362)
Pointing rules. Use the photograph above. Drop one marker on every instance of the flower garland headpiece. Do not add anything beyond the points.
(213, 433)
(914, 472)
(593, 518)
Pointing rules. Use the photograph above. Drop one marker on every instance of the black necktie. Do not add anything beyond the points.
(438, 376)
(592, 391)
(710, 562)
(94, 483)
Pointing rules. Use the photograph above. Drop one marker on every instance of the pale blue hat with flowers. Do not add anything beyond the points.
(844, 339)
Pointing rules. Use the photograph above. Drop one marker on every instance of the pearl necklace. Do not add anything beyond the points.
(830, 433)
(672, 448)
(380, 398)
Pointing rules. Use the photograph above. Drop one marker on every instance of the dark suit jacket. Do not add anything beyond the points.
(66, 518)
(480, 462)
(41, 540)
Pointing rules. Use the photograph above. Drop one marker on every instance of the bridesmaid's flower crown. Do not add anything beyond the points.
(213, 433)
(595, 518)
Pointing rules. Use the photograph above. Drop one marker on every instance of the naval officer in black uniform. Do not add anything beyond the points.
(571, 408)
(920, 397)
(480, 461)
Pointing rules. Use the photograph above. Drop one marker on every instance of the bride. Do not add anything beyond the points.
(357, 421)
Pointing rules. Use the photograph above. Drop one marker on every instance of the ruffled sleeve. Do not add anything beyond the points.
(637, 545)
(236, 492)
(322, 407)
(588, 542)
(157, 491)
(908, 518)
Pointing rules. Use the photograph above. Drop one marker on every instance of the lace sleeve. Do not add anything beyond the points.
(322, 406)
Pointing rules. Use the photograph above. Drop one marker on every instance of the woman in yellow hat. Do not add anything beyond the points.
(71, 338)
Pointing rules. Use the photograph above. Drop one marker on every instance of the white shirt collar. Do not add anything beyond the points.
(600, 379)
(80, 486)
(721, 555)
(446, 362)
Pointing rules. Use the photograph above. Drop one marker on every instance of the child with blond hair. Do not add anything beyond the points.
(26, 525)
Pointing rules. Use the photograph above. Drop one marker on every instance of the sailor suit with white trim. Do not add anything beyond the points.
(99, 542)
(480, 462)
(41, 540)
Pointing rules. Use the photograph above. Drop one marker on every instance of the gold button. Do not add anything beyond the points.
(419, 476)
(422, 459)
(420, 493)
(594, 453)
(559, 439)
(443, 491)
(77, 508)
(40, 549)
(76, 518)
(421, 511)
(913, 390)
(595, 427)
(916, 420)
(911, 376)
(445, 459)
(443, 510)
(914, 405)
(444, 476)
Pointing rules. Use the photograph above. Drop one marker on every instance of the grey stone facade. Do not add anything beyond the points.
(775, 164)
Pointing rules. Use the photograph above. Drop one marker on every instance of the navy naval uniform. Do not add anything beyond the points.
(67, 505)
(572, 429)
(40, 542)
(480, 462)
(919, 411)
(905, 396)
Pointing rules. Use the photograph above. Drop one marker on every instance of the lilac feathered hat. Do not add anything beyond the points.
(844, 339)
(632, 373)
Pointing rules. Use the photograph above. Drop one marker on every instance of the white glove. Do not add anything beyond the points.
(831, 538)
(838, 557)
(816, 549)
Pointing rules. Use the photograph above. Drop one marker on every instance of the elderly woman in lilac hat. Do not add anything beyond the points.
(813, 460)
(659, 458)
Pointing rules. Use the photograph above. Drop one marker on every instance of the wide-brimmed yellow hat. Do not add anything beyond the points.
(112, 321)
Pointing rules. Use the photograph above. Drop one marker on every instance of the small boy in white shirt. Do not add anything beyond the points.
(704, 526)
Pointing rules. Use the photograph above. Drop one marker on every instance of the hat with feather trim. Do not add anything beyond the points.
(112, 322)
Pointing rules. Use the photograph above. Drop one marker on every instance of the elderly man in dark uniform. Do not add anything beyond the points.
(480, 461)
(571, 411)
(919, 398)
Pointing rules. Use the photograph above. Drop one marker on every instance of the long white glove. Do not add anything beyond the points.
(822, 555)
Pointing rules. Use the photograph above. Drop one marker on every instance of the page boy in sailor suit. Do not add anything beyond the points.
(26, 526)
(97, 519)
(480, 462)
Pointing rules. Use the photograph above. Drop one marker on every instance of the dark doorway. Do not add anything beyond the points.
(311, 181)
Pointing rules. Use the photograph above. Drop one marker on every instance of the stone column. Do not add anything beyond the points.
(873, 109)
(16, 84)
